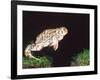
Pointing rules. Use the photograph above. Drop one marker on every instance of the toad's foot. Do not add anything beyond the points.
(33, 57)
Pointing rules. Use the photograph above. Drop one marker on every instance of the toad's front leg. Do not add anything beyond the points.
(55, 44)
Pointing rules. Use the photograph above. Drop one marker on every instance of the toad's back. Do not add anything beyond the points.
(47, 36)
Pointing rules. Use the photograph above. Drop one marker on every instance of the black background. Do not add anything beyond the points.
(76, 40)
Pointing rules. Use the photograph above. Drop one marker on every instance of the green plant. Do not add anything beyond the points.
(82, 58)
(33, 63)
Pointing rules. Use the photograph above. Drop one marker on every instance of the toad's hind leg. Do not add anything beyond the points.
(28, 52)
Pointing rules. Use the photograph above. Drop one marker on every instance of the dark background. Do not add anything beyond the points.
(73, 43)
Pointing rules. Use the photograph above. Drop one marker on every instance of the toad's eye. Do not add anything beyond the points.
(61, 32)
